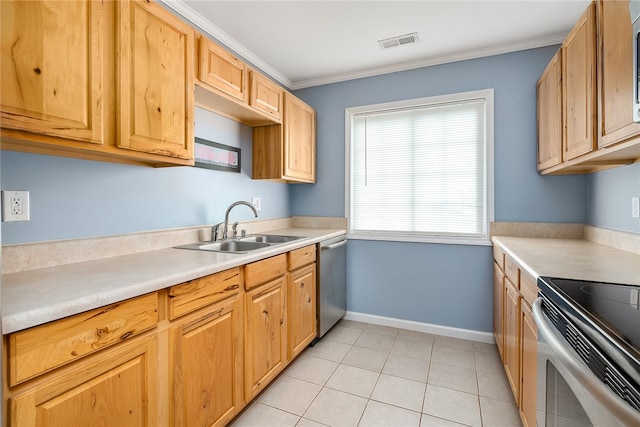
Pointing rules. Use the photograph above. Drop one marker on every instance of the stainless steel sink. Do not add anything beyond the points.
(269, 238)
(242, 246)
(229, 246)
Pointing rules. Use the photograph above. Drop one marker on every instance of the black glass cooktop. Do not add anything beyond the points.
(609, 311)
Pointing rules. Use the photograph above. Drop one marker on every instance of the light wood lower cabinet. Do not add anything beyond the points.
(193, 354)
(514, 292)
(116, 388)
(498, 308)
(301, 299)
(206, 362)
(264, 335)
(512, 337)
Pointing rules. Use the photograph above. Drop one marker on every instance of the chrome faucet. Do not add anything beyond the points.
(225, 232)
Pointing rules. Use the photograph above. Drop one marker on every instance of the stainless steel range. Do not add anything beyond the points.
(588, 353)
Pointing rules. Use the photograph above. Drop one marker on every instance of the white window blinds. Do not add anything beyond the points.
(420, 170)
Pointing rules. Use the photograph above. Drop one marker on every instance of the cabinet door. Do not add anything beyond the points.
(299, 140)
(265, 95)
(511, 338)
(579, 84)
(529, 346)
(264, 335)
(117, 388)
(207, 366)
(550, 114)
(156, 81)
(221, 70)
(498, 308)
(51, 66)
(301, 309)
(615, 75)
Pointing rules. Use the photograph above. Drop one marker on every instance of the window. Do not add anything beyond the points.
(421, 170)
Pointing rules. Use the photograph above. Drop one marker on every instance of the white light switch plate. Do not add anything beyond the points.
(15, 205)
(635, 207)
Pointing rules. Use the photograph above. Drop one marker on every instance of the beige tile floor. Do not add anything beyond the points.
(367, 375)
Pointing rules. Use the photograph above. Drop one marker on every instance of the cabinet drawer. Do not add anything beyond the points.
(302, 256)
(195, 294)
(43, 348)
(262, 271)
(512, 271)
(528, 287)
(498, 256)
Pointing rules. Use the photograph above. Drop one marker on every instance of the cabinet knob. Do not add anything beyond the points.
(281, 321)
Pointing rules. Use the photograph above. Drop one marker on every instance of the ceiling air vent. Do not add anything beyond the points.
(399, 40)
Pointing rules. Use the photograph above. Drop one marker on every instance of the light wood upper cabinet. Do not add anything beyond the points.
(615, 73)
(225, 85)
(207, 378)
(156, 81)
(265, 95)
(579, 86)
(287, 152)
(597, 89)
(299, 140)
(549, 91)
(99, 80)
(52, 68)
(221, 70)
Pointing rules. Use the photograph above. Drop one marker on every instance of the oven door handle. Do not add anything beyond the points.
(622, 410)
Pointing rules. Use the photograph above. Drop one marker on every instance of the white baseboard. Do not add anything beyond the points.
(447, 331)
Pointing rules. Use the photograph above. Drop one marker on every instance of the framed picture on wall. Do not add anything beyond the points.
(212, 155)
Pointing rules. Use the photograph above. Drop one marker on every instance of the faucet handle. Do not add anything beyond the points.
(234, 230)
(214, 231)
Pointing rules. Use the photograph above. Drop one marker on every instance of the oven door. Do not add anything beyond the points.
(567, 393)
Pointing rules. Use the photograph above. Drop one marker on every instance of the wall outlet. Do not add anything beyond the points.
(257, 203)
(15, 205)
(635, 207)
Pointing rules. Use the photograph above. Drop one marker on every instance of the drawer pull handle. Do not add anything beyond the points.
(126, 335)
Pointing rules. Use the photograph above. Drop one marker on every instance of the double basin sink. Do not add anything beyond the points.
(242, 245)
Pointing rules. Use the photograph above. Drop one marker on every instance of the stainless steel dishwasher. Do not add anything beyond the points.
(332, 283)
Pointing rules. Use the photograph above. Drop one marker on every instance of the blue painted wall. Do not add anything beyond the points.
(610, 194)
(442, 284)
(78, 198)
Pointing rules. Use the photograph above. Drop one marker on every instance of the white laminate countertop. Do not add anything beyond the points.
(35, 297)
(572, 259)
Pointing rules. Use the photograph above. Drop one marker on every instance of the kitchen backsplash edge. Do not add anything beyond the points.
(625, 241)
(31, 256)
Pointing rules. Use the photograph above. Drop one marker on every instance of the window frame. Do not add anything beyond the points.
(484, 239)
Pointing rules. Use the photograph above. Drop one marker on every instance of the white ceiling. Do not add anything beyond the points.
(307, 43)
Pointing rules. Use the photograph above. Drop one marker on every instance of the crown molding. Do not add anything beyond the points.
(179, 7)
(439, 60)
(205, 26)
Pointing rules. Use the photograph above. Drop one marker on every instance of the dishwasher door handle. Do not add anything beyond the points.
(333, 246)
